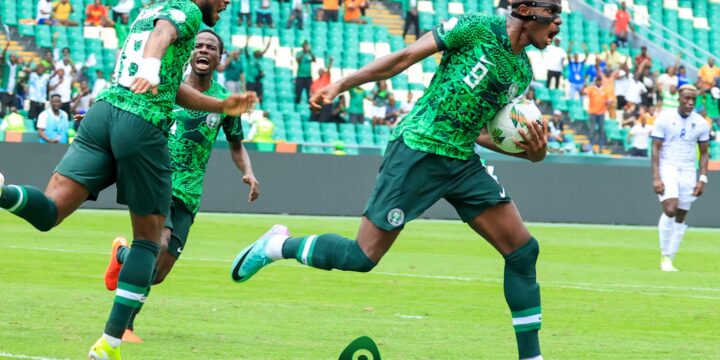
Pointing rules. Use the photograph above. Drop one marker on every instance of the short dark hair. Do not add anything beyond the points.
(55, 95)
(222, 44)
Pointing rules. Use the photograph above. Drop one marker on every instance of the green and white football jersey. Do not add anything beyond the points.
(191, 143)
(478, 75)
(157, 109)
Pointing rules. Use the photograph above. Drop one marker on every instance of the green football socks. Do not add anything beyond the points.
(122, 253)
(327, 252)
(31, 204)
(522, 294)
(133, 283)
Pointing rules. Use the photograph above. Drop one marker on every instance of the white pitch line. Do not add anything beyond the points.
(16, 356)
(577, 286)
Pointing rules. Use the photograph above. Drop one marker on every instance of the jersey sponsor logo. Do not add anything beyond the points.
(478, 73)
(396, 217)
(179, 250)
(177, 15)
(212, 120)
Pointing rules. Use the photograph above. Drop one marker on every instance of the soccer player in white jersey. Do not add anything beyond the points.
(676, 137)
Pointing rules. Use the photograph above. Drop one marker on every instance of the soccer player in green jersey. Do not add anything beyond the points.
(123, 140)
(430, 156)
(191, 143)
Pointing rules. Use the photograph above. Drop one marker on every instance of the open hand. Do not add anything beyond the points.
(141, 86)
(237, 104)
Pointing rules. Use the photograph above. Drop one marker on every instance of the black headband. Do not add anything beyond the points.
(541, 4)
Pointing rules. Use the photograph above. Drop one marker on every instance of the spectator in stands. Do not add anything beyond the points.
(264, 14)
(622, 84)
(576, 69)
(61, 84)
(598, 101)
(100, 84)
(44, 12)
(709, 73)
(8, 80)
(96, 14)
(670, 98)
(322, 81)
(621, 25)
(244, 13)
(233, 71)
(339, 110)
(613, 58)
(682, 76)
(303, 81)
(635, 87)
(591, 72)
(391, 111)
(297, 14)
(644, 76)
(262, 129)
(631, 113)
(407, 106)
(412, 18)
(710, 103)
(669, 78)
(554, 57)
(48, 60)
(255, 72)
(643, 57)
(53, 123)
(123, 7)
(82, 100)
(13, 121)
(556, 126)
(61, 13)
(352, 11)
(380, 97)
(640, 133)
(330, 10)
(356, 110)
(37, 91)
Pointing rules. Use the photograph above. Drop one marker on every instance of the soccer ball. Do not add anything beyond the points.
(512, 117)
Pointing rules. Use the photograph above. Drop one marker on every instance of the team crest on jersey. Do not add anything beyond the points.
(396, 217)
(177, 15)
(212, 120)
(512, 92)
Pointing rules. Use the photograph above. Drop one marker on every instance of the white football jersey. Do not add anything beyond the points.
(680, 137)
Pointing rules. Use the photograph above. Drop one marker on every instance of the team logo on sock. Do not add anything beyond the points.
(396, 217)
(363, 348)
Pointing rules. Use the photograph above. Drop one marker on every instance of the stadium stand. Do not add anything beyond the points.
(96, 47)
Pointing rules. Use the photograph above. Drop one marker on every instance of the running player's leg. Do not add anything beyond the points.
(669, 201)
(143, 183)
(686, 185)
(409, 182)
(483, 203)
(85, 170)
(502, 226)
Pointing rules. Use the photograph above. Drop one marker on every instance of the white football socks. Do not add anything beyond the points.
(678, 231)
(665, 231)
(113, 341)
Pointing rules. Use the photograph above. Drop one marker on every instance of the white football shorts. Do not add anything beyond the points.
(679, 183)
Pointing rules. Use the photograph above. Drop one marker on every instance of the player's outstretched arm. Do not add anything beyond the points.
(234, 105)
(379, 69)
(242, 161)
(704, 159)
(658, 185)
(534, 144)
(148, 75)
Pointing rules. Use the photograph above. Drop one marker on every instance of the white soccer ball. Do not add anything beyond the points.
(512, 117)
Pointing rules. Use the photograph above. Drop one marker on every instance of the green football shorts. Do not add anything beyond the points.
(115, 146)
(179, 222)
(411, 181)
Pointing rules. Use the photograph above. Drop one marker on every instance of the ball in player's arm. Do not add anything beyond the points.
(430, 156)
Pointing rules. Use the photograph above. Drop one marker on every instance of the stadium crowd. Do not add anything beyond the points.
(613, 87)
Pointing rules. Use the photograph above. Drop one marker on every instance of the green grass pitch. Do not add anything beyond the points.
(436, 295)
